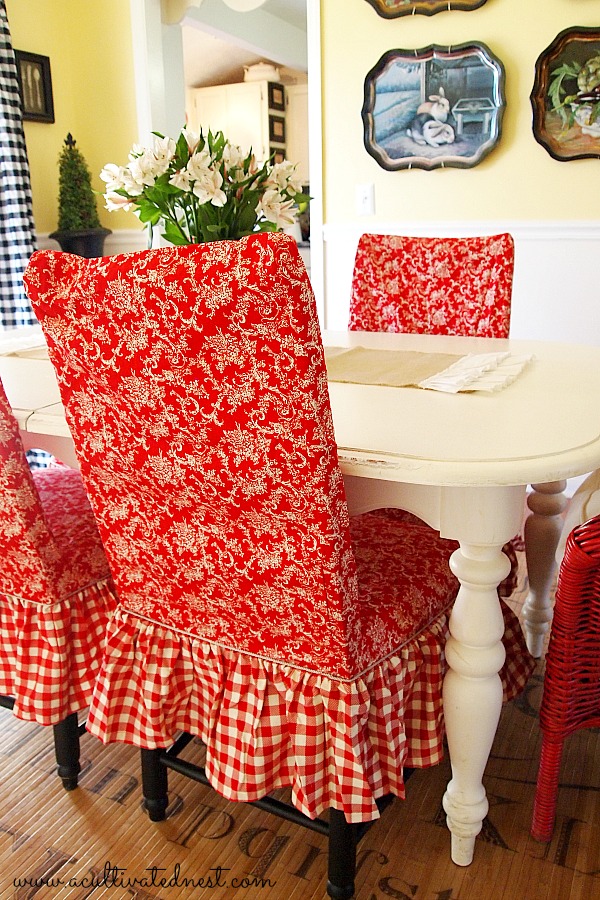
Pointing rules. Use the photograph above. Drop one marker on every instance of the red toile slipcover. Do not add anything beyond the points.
(435, 285)
(416, 285)
(56, 593)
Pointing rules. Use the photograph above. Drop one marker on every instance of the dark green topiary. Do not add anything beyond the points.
(76, 201)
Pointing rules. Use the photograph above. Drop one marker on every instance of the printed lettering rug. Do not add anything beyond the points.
(97, 843)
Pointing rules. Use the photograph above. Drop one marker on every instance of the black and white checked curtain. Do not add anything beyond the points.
(17, 232)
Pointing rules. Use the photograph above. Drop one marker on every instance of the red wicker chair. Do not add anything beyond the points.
(571, 698)
(304, 648)
(435, 285)
(56, 595)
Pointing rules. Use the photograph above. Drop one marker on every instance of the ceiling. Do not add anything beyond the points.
(291, 11)
(209, 60)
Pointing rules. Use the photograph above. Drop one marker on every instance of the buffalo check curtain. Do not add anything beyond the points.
(17, 233)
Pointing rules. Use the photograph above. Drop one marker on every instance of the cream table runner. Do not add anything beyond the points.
(446, 372)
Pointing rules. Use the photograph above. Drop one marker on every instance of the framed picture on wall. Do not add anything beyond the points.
(390, 9)
(433, 107)
(276, 94)
(276, 129)
(566, 95)
(277, 153)
(35, 86)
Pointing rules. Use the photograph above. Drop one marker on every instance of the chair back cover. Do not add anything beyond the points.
(55, 590)
(433, 285)
(34, 566)
(27, 544)
(195, 387)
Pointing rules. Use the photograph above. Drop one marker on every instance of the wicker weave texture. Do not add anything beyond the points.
(571, 698)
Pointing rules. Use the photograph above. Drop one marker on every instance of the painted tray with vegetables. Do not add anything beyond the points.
(566, 95)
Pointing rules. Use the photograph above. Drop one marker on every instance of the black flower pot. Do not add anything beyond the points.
(88, 242)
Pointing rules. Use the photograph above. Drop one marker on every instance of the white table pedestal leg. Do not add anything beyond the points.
(472, 689)
(542, 532)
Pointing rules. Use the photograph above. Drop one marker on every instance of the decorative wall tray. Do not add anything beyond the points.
(390, 9)
(566, 95)
(433, 107)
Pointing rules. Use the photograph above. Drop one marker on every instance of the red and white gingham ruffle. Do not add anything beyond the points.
(337, 743)
(51, 651)
(266, 725)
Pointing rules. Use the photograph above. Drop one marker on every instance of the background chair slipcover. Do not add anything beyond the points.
(571, 697)
(304, 649)
(416, 285)
(433, 285)
(55, 589)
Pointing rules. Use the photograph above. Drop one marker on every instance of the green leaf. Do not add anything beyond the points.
(182, 152)
(148, 213)
(558, 76)
(246, 219)
(173, 234)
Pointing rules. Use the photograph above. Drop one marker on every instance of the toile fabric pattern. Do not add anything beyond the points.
(304, 649)
(424, 285)
(56, 595)
(414, 285)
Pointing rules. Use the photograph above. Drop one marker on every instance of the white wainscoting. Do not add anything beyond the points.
(556, 289)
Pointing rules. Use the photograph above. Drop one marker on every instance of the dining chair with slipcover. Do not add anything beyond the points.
(433, 285)
(571, 694)
(425, 285)
(305, 648)
(56, 595)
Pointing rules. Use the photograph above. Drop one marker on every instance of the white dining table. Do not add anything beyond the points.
(462, 462)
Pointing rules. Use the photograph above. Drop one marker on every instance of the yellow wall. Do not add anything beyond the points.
(518, 180)
(89, 45)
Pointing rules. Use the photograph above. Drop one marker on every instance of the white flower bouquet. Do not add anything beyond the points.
(203, 189)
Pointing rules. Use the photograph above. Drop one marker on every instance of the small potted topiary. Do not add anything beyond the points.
(79, 230)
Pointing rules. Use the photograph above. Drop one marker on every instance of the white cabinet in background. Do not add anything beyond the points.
(297, 128)
(241, 111)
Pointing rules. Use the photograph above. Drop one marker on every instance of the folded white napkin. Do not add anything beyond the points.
(478, 372)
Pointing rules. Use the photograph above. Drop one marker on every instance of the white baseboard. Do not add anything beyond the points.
(122, 241)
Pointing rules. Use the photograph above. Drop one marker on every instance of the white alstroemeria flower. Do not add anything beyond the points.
(133, 188)
(208, 188)
(192, 139)
(198, 165)
(276, 209)
(145, 169)
(113, 176)
(117, 201)
(181, 179)
(233, 156)
(164, 150)
(284, 176)
(136, 150)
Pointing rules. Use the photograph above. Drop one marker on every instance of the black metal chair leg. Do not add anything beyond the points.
(342, 857)
(66, 748)
(155, 784)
